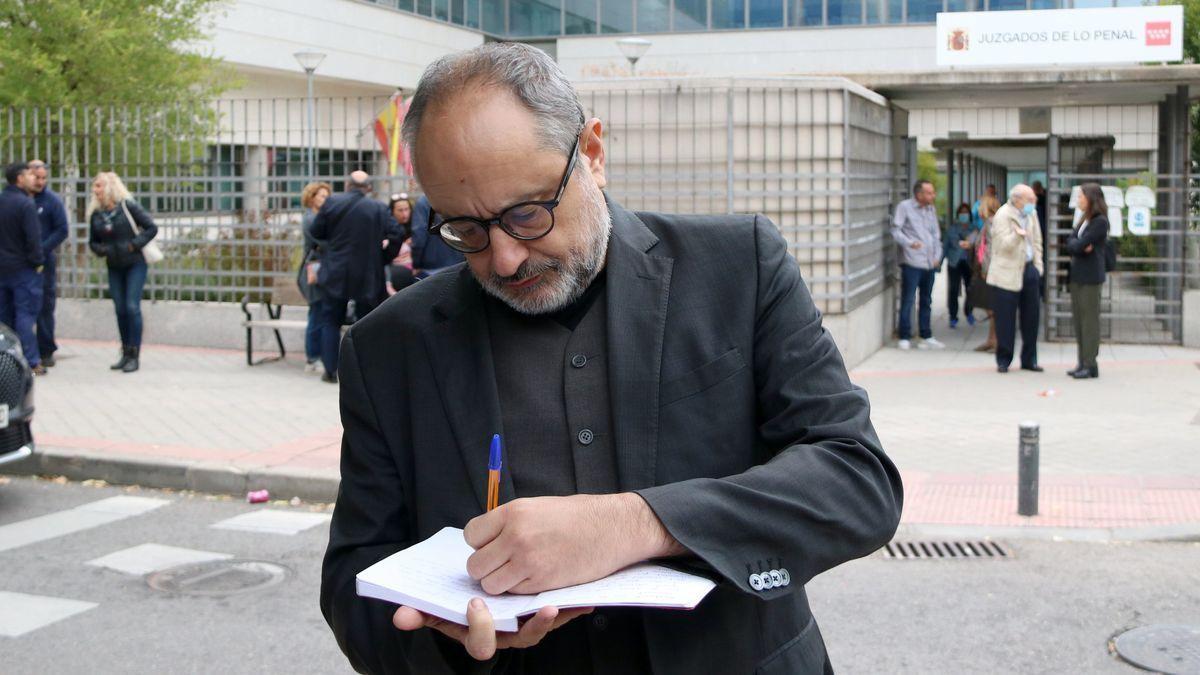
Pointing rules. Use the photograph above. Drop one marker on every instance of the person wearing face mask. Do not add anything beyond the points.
(1014, 275)
(956, 249)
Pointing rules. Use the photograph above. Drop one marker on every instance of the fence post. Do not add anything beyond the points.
(1027, 470)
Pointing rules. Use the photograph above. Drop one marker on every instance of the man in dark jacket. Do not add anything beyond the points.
(53, 218)
(430, 254)
(20, 262)
(663, 384)
(354, 227)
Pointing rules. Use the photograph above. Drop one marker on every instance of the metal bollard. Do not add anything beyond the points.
(1027, 470)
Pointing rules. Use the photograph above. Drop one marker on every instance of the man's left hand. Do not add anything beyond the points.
(541, 543)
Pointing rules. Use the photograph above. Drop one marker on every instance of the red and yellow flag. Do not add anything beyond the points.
(387, 132)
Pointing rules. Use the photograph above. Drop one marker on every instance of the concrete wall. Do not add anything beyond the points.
(1191, 319)
(366, 45)
(862, 331)
(793, 51)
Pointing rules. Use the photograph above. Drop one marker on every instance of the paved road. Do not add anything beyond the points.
(1051, 609)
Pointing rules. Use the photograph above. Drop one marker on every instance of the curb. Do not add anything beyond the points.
(313, 486)
(1177, 532)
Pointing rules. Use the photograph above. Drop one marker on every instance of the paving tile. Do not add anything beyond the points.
(21, 613)
(146, 558)
(273, 521)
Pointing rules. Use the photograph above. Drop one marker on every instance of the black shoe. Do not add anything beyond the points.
(39, 369)
(1036, 369)
(1086, 373)
(48, 361)
(1076, 369)
(1001, 369)
(119, 365)
(329, 377)
(132, 364)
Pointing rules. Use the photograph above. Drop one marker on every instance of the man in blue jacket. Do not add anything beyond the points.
(20, 261)
(53, 218)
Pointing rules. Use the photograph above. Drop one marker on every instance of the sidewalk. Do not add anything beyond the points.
(1122, 451)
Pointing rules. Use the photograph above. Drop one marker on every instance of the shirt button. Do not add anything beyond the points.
(600, 621)
(579, 360)
(586, 437)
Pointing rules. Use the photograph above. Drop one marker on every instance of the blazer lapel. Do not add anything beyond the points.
(460, 350)
(639, 285)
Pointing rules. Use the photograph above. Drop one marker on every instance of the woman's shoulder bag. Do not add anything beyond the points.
(151, 252)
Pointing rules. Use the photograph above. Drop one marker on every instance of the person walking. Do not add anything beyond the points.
(353, 226)
(1014, 274)
(915, 230)
(20, 262)
(400, 270)
(119, 230)
(956, 249)
(52, 216)
(1087, 244)
(312, 198)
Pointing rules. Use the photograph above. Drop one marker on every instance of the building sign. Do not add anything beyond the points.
(1060, 36)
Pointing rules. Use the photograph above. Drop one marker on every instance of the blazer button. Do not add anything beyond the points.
(586, 437)
(756, 582)
(579, 360)
(785, 577)
(776, 579)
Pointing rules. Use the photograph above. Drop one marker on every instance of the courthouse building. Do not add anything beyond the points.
(811, 111)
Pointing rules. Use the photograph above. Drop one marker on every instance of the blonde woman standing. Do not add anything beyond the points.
(120, 229)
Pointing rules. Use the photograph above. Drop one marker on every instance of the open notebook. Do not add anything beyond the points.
(432, 577)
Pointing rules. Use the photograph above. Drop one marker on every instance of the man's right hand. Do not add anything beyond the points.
(916, 245)
(479, 636)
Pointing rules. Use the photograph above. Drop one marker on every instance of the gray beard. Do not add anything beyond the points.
(572, 275)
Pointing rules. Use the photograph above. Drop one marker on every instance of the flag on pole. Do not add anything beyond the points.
(387, 132)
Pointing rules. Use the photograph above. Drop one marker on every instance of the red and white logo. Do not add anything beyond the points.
(1158, 33)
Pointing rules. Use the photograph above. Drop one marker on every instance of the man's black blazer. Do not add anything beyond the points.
(354, 227)
(733, 417)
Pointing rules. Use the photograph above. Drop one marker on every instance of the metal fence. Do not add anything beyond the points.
(223, 181)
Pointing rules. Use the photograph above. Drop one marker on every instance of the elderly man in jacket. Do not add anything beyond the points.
(915, 230)
(1015, 275)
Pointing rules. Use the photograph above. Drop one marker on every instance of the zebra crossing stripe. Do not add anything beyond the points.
(21, 613)
(70, 521)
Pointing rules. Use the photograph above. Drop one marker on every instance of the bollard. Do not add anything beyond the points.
(1027, 470)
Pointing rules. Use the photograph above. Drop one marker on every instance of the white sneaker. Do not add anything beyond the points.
(312, 367)
(930, 343)
(904, 345)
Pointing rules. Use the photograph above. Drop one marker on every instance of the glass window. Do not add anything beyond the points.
(441, 10)
(652, 16)
(805, 12)
(457, 11)
(406, 5)
(964, 5)
(425, 7)
(533, 17)
(845, 12)
(766, 13)
(616, 16)
(691, 15)
(728, 14)
(876, 11)
(1007, 5)
(1133, 3)
(493, 17)
(925, 11)
(580, 16)
(472, 18)
(1047, 4)
(1087, 4)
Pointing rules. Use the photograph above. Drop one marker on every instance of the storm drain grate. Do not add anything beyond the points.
(946, 550)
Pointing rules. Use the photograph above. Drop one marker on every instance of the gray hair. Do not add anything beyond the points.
(1019, 190)
(527, 72)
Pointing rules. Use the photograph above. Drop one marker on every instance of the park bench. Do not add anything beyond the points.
(284, 293)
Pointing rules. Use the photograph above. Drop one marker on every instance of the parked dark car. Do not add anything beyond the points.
(16, 399)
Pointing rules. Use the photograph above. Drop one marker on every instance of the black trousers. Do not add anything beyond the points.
(1007, 305)
(960, 282)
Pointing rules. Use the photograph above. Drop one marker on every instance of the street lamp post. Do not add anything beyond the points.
(309, 60)
(633, 48)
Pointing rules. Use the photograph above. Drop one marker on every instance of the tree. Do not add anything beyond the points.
(71, 52)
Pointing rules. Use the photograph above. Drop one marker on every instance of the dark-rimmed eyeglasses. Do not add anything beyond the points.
(525, 221)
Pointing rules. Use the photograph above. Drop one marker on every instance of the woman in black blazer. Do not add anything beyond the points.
(1086, 244)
